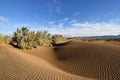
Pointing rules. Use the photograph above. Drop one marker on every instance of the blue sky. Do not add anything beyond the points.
(67, 17)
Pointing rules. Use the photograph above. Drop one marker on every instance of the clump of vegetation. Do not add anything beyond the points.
(43, 38)
(1, 38)
(57, 39)
(5, 39)
(113, 39)
(25, 39)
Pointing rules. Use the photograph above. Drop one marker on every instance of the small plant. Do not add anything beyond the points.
(5, 39)
(1, 38)
(113, 39)
(57, 39)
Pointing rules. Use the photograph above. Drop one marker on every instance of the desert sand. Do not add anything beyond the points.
(76, 60)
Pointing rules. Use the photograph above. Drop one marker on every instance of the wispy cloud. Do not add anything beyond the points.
(81, 29)
(65, 19)
(73, 21)
(55, 6)
(58, 9)
(75, 29)
(76, 13)
(51, 22)
(3, 19)
(85, 24)
(97, 29)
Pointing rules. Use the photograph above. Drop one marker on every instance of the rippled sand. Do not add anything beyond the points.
(77, 60)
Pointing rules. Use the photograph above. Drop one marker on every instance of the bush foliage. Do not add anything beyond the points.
(57, 39)
(5, 39)
(25, 39)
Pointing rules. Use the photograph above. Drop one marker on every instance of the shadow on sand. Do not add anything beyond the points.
(61, 44)
(57, 51)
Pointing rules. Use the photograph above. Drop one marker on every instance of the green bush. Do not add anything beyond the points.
(56, 39)
(113, 39)
(43, 38)
(25, 39)
(1, 38)
(5, 39)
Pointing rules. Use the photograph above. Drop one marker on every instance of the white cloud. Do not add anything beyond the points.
(87, 29)
(76, 13)
(58, 9)
(51, 22)
(65, 19)
(86, 24)
(73, 21)
(97, 29)
(54, 7)
(81, 29)
(2, 19)
(77, 29)
(61, 25)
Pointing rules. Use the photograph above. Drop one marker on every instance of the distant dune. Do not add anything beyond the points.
(76, 60)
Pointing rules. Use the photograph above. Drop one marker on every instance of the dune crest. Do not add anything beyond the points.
(96, 60)
(76, 60)
(16, 65)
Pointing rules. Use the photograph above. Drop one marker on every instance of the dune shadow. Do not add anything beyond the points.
(61, 44)
(57, 51)
(59, 55)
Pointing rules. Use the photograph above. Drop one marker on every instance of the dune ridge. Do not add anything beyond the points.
(16, 65)
(76, 60)
(94, 60)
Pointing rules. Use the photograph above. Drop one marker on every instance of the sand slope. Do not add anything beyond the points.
(100, 61)
(76, 60)
(16, 65)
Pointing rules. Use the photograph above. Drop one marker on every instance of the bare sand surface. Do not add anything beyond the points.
(96, 60)
(16, 65)
(77, 60)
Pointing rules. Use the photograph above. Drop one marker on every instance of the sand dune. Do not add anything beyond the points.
(16, 65)
(95, 60)
(76, 60)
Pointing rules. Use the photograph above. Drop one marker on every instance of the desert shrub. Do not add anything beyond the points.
(20, 38)
(46, 37)
(43, 38)
(113, 39)
(56, 39)
(1, 38)
(25, 39)
(5, 39)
